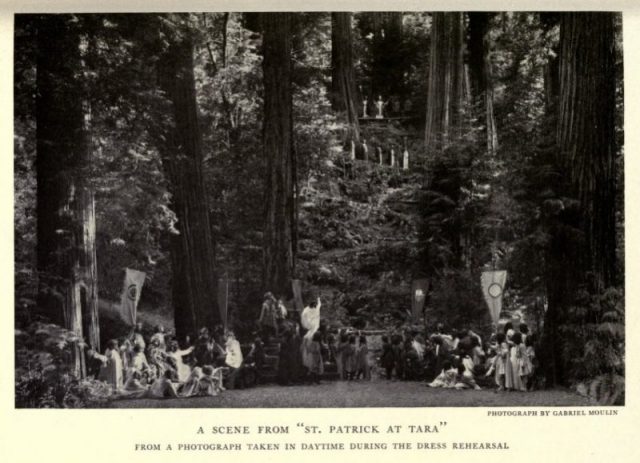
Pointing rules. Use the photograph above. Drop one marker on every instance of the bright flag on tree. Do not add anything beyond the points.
(493, 283)
(133, 282)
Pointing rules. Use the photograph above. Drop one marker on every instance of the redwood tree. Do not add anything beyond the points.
(277, 137)
(194, 279)
(66, 254)
(445, 93)
(344, 95)
(583, 232)
(586, 132)
(481, 75)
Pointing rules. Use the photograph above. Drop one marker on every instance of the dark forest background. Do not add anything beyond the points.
(195, 147)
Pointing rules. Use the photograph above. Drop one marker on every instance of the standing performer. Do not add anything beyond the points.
(269, 316)
(233, 360)
(182, 369)
(111, 371)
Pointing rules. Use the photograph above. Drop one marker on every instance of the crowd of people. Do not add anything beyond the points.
(155, 365)
(139, 365)
(507, 362)
(307, 346)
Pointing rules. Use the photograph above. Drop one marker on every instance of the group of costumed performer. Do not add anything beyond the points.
(164, 373)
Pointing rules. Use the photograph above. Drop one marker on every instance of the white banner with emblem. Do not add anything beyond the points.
(493, 283)
(133, 281)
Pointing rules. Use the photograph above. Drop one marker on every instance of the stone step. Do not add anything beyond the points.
(273, 349)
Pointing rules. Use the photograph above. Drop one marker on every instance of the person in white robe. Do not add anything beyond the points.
(111, 370)
(183, 370)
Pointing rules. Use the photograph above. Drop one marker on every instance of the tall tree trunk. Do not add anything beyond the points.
(582, 236)
(66, 253)
(481, 74)
(445, 93)
(344, 91)
(278, 251)
(192, 250)
(586, 131)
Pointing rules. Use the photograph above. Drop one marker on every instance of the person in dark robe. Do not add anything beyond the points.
(441, 353)
(387, 359)
(362, 359)
(256, 357)
(349, 358)
(200, 352)
(286, 358)
(298, 369)
(343, 342)
(398, 355)
(268, 319)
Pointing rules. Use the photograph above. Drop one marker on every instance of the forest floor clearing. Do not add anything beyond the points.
(375, 393)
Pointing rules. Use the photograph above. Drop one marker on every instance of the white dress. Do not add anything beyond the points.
(183, 370)
(234, 353)
(111, 371)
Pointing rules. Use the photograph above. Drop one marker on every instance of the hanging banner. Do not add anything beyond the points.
(493, 283)
(133, 281)
(419, 290)
(223, 300)
(296, 286)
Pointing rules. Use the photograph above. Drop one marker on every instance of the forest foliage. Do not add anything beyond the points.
(363, 234)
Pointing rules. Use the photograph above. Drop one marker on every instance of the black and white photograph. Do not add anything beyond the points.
(295, 209)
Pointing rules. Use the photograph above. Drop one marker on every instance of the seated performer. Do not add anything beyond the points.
(162, 388)
(447, 377)
(191, 385)
(210, 383)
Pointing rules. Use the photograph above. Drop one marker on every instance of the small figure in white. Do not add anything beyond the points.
(353, 150)
(380, 155)
(365, 150)
(364, 108)
(379, 106)
(405, 155)
(393, 158)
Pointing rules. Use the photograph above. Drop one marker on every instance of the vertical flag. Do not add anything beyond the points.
(493, 283)
(133, 281)
(223, 300)
(419, 290)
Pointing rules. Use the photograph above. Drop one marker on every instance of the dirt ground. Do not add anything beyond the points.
(374, 393)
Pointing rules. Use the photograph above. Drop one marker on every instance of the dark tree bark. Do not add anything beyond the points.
(279, 220)
(66, 254)
(582, 245)
(445, 94)
(481, 74)
(586, 131)
(192, 250)
(344, 95)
